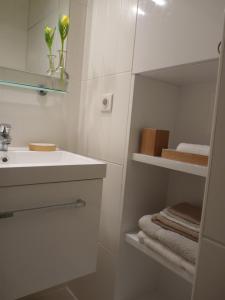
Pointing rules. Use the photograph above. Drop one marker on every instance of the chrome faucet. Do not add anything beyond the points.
(5, 139)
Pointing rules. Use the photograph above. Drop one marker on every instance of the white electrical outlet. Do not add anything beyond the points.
(107, 103)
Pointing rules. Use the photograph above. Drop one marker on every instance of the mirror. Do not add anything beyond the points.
(25, 58)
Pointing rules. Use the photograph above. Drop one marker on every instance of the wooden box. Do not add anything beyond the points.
(153, 141)
(185, 157)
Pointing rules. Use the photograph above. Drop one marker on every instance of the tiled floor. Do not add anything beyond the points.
(62, 293)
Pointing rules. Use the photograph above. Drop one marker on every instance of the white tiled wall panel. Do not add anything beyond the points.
(106, 132)
(33, 117)
(111, 208)
(111, 30)
(82, 145)
(75, 48)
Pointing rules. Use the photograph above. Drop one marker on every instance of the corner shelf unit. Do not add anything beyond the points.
(179, 99)
(132, 239)
(171, 164)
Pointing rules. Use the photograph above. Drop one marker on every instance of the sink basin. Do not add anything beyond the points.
(25, 158)
(31, 167)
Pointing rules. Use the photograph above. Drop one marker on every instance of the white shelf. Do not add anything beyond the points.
(171, 164)
(133, 240)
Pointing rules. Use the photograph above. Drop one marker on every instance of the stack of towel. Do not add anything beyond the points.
(173, 233)
(194, 149)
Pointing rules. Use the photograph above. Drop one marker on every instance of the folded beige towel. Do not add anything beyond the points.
(175, 227)
(187, 212)
(166, 253)
(165, 213)
(177, 243)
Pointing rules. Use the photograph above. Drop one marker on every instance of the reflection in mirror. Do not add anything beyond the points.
(23, 46)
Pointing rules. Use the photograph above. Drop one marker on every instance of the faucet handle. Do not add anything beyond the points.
(5, 128)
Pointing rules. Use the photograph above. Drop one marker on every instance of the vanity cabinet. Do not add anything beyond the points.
(168, 29)
(56, 243)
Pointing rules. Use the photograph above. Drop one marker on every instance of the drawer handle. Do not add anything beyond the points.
(76, 204)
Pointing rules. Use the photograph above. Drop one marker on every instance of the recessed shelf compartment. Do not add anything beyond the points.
(132, 239)
(179, 99)
(192, 73)
(171, 164)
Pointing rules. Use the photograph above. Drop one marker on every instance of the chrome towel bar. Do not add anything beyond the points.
(78, 203)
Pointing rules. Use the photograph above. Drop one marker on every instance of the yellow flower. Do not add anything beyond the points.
(49, 36)
(64, 25)
(65, 20)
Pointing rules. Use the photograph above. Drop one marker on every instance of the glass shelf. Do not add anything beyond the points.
(26, 80)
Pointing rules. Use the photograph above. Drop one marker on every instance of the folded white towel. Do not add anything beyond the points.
(165, 213)
(166, 253)
(179, 244)
(194, 149)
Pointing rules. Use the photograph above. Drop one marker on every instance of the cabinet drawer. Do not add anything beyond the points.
(45, 247)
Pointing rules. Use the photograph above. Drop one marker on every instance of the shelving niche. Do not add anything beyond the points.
(180, 99)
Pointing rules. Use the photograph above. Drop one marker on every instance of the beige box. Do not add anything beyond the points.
(153, 141)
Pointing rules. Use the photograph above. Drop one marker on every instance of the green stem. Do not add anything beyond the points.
(62, 61)
(51, 62)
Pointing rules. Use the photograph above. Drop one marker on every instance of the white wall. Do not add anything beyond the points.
(33, 118)
(52, 118)
(13, 33)
(107, 69)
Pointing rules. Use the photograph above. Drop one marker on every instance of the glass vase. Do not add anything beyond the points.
(61, 69)
(51, 61)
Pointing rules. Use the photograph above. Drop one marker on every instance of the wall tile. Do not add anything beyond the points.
(75, 49)
(107, 131)
(111, 208)
(82, 142)
(111, 44)
(33, 117)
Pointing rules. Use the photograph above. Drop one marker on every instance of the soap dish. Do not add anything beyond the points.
(41, 147)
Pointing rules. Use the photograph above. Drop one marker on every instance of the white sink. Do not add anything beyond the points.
(25, 158)
(31, 167)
